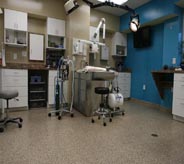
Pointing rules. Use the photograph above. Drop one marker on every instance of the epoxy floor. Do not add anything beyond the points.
(127, 140)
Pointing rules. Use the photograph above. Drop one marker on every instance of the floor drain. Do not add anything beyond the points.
(154, 135)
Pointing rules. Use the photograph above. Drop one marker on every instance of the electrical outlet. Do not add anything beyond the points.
(173, 60)
(144, 87)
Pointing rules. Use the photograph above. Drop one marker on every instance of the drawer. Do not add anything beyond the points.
(51, 93)
(23, 91)
(178, 107)
(14, 81)
(52, 73)
(14, 72)
(178, 91)
(51, 99)
(51, 80)
(179, 77)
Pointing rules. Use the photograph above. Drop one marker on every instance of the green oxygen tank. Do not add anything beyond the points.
(57, 98)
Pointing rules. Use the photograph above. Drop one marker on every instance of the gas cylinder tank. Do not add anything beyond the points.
(115, 100)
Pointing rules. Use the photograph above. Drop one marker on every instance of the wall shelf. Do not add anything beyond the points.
(15, 45)
(55, 48)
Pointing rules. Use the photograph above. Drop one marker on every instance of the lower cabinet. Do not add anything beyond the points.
(178, 97)
(37, 88)
(15, 79)
(124, 83)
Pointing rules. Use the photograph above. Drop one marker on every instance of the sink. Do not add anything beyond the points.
(107, 76)
(103, 75)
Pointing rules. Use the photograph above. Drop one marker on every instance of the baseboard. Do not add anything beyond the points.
(17, 109)
(152, 105)
(178, 118)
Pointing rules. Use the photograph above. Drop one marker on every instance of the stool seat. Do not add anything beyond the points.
(102, 90)
(103, 109)
(8, 94)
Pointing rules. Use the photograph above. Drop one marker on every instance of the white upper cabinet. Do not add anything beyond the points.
(15, 20)
(36, 47)
(55, 27)
(119, 44)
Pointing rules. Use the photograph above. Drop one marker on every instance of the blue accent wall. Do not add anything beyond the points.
(142, 61)
(166, 43)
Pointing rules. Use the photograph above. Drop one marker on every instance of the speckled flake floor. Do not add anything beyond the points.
(127, 140)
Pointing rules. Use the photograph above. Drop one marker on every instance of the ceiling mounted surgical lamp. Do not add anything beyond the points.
(134, 22)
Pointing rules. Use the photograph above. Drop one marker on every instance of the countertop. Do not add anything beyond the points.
(168, 71)
(27, 66)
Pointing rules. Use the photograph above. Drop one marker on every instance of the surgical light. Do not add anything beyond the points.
(134, 23)
(118, 2)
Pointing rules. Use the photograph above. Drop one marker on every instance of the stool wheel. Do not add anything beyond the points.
(123, 113)
(104, 124)
(59, 117)
(49, 114)
(92, 120)
(72, 115)
(21, 120)
(20, 125)
(110, 119)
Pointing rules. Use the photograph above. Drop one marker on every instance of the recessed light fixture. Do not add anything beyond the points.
(118, 2)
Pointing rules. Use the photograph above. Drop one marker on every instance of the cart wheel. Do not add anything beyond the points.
(104, 124)
(1, 130)
(72, 115)
(110, 119)
(21, 120)
(20, 125)
(92, 120)
(59, 117)
(123, 113)
(49, 114)
(99, 117)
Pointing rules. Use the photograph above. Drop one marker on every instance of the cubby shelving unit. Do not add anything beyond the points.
(37, 88)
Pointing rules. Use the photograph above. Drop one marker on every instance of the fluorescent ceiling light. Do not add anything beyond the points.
(118, 2)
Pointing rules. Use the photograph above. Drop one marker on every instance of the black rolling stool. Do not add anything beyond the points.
(103, 110)
(7, 95)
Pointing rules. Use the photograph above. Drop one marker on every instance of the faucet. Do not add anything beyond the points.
(83, 63)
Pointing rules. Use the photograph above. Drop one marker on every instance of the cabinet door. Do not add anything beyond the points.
(15, 20)
(36, 45)
(55, 27)
(124, 81)
(119, 44)
(8, 79)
